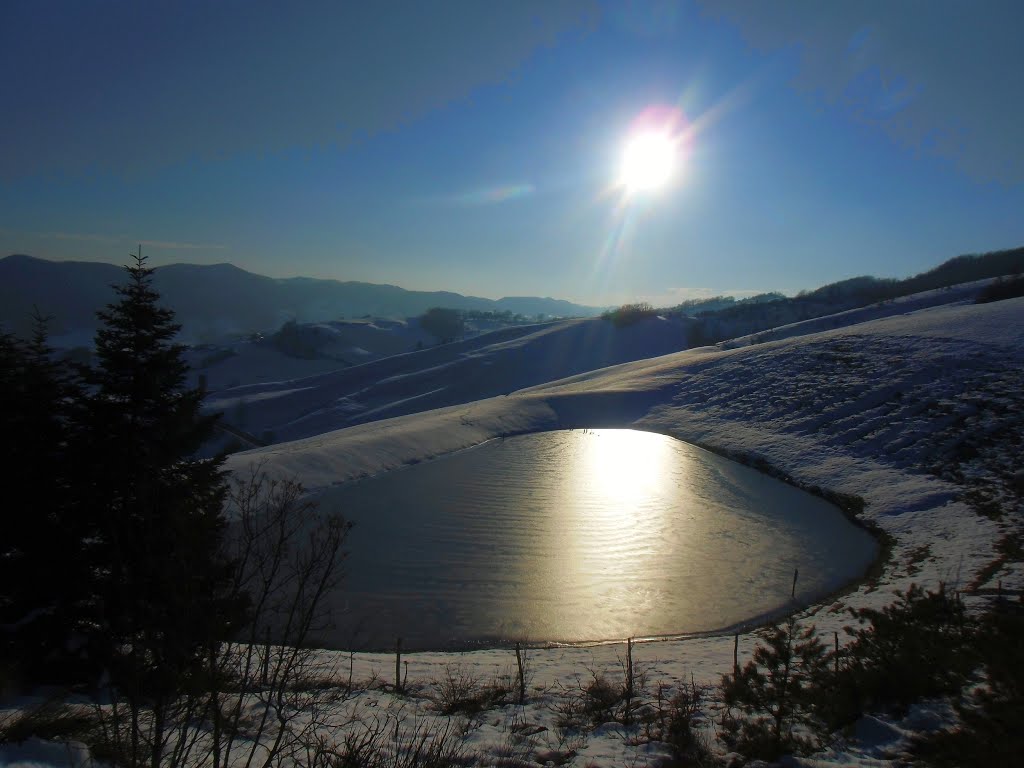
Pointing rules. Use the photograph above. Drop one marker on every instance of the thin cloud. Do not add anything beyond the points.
(361, 69)
(484, 196)
(942, 77)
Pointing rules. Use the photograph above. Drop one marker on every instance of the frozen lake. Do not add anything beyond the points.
(578, 536)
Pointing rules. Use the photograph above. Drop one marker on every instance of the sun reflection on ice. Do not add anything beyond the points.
(622, 497)
(584, 535)
(625, 466)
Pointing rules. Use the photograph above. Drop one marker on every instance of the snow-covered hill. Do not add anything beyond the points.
(913, 412)
(919, 414)
(495, 363)
(268, 394)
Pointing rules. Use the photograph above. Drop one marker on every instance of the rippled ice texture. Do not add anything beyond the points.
(577, 536)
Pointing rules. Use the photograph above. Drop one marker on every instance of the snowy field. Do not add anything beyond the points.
(918, 413)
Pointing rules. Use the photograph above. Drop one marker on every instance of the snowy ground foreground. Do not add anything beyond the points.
(908, 412)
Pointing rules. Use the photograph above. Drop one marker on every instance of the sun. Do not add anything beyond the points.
(648, 161)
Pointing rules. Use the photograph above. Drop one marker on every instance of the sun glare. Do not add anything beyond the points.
(656, 145)
(648, 162)
(624, 465)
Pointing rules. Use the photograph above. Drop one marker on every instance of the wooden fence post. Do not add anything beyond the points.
(629, 666)
(398, 665)
(522, 676)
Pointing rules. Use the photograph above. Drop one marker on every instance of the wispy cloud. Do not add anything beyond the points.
(484, 196)
(411, 58)
(943, 77)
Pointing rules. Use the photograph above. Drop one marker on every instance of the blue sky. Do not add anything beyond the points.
(474, 146)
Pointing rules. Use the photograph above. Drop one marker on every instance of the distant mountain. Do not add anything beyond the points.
(211, 300)
(531, 305)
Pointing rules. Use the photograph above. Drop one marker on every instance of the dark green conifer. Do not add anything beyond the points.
(778, 694)
(42, 577)
(162, 582)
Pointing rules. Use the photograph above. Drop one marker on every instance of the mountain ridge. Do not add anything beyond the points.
(217, 299)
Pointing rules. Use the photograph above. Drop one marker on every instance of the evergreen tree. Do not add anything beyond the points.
(445, 324)
(990, 715)
(778, 692)
(41, 575)
(919, 646)
(162, 582)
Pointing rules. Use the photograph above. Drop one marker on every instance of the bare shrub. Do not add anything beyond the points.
(459, 691)
(634, 688)
(603, 699)
(386, 741)
(519, 745)
(264, 693)
(52, 720)
(674, 718)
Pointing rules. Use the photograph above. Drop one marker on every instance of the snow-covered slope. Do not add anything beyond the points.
(919, 414)
(286, 399)
(491, 364)
(338, 345)
(964, 293)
